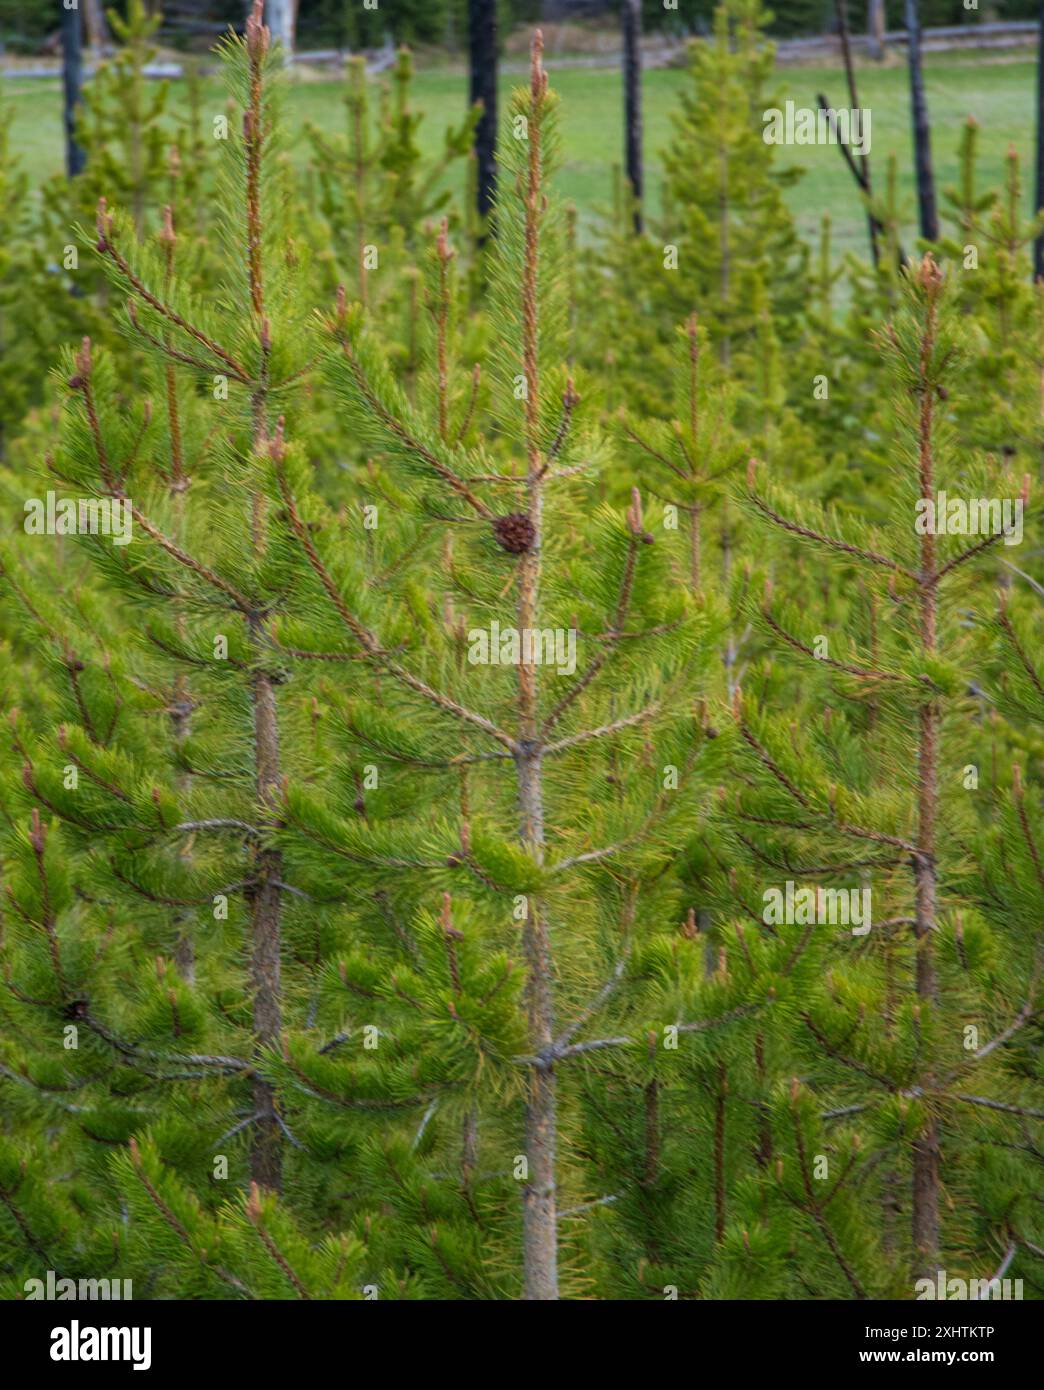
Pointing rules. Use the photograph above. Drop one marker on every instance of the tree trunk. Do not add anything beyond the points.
(94, 23)
(1038, 245)
(922, 131)
(281, 18)
(875, 28)
(844, 33)
(265, 894)
(925, 1195)
(482, 58)
(631, 15)
(266, 900)
(539, 1208)
(72, 80)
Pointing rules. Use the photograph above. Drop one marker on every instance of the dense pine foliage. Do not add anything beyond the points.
(513, 803)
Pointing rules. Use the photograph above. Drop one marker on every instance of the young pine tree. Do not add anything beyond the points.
(548, 874)
(920, 1027)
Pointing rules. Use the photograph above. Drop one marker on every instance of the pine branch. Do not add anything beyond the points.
(402, 433)
(851, 1062)
(623, 603)
(800, 646)
(815, 1211)
(1020, 651)
(966, 555)
(1005, 1264)
(175, 1225)
(627, 722)
(872, 557)
(132, 1050)
(253, 1208)
(998, 1105)
(553, 1053)
(366, 639)
(106, 247)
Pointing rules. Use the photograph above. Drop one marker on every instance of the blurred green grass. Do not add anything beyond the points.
(997, 90)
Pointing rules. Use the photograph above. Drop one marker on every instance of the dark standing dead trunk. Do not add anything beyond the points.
(482, 57)
(841, 7)
(72, 79)
(922, 131)
(1038, 245)
(631, 15)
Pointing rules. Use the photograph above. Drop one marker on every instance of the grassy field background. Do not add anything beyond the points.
(998, 91)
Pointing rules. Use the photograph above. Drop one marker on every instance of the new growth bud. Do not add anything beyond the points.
(277, 443)
(634, 518)
(537, 75)
(444, 250)
(103, 222)
(930, 276)
(257, 34)
(38, 835)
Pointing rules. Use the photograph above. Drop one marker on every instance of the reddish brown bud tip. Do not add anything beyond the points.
(103, 223)
(257, 35)
(930, 276)
(277, 443)
(253, 1205)
(537, 76)
(634, 513)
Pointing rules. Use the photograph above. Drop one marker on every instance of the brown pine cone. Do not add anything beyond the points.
(514, 532)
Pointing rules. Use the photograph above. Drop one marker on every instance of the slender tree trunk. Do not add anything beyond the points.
(725, 252)
(265, 893)
(1038, 245)
(540, 1235)
(482, 52)
(72, 80)
(925, 1208)
(281, 18)
(94, 23)
(719, 1153)
(631, 16)
(695, 515)
(841, 7)
(875, 28)
(181, 705)
(763, 1150)
(266, 1154)
(731, 652)
(922, 131)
